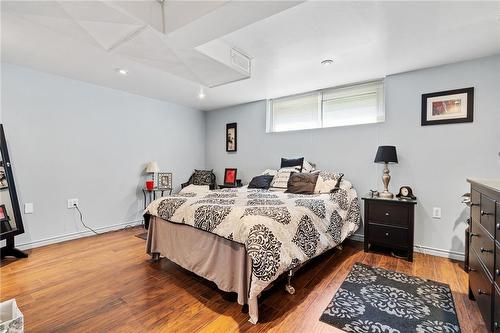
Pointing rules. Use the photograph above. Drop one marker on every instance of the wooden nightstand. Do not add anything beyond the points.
(389, 223)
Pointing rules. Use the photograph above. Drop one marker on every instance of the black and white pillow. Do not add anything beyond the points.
(280, 181)
(202, 177)
(328, 181)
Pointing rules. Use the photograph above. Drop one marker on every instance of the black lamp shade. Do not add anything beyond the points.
(386, 154)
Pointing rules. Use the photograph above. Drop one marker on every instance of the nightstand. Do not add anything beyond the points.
(238, 184)
(389, 223)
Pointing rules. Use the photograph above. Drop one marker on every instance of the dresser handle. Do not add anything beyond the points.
(472, 235)
(472, 269)
(484, 213)
(387, 214)
(480, 292)
(497, 271)
(498, 226)
(495, 325)
(387, 234)
(484, 250)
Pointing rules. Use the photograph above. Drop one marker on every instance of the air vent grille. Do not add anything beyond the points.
(241, 61)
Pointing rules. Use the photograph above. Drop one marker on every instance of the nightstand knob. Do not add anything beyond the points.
(387, 234)
(495, 325)
(498, 226)
(497, 271)
(387, 214)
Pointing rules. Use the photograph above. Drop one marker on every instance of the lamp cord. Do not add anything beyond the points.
(83, 223)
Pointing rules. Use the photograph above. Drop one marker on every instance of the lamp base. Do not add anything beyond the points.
(386, 195)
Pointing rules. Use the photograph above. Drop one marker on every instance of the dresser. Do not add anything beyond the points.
(484, 250)
(389, 223)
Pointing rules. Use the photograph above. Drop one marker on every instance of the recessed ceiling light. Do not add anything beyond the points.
(201, 95)
(122, 71)
(327, 62)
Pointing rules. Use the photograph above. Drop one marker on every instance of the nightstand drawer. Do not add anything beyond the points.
(387, 213)
(386, 235)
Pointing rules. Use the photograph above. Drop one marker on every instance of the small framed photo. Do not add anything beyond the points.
(448, 107)
(230, 176)
(164, 180)
(231, 137)
(3, 214)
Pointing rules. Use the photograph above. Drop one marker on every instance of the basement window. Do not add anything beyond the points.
(342, 106)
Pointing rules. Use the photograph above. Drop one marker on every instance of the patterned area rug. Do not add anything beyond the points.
(373, 299)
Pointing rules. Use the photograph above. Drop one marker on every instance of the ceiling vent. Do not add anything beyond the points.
(240, 61)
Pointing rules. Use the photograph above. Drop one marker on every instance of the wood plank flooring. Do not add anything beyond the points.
(106, 283)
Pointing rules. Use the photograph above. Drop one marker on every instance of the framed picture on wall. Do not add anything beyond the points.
(230, 176)
(448, 107)
(164, 180)
(231, 137)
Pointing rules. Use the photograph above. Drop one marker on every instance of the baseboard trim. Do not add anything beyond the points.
(75, 235)
(424, 249)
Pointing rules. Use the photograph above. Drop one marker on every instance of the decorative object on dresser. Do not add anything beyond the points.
(448, 107)
(405, 192)
(164, 181)
(12, 223)
(231, 137)
(389, 223)
(484, 250)
(151, 169)
(386, 154)
(230, 176)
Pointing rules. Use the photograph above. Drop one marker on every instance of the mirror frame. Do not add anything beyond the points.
(12, 189)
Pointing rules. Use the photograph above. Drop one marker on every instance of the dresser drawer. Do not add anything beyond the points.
(387, 235)
(496, 312)
(481, 288)
(387, 213)
(484, 245)
(487, 214)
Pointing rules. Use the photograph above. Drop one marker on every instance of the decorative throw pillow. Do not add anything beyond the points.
(262, 181)
(302, 183)
(202, 177)
(328, 181)
(292, 163)
(308, 167)
(270, 172)
(280, 181)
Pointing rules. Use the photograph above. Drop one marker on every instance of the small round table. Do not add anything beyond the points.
(152, 194)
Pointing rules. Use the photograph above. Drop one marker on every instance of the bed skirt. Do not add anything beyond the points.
(212, 257)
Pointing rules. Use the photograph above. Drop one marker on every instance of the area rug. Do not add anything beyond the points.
(373, 299)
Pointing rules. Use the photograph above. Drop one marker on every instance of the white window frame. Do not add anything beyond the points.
(323, 96)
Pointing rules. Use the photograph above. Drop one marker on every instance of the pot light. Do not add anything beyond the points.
(327, 62)
(201, 95)
(122, 71)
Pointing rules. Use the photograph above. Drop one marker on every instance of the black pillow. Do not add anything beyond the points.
(263, 181)
(292, 162)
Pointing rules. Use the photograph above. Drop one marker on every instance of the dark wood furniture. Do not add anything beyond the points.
(484, 250)
(238, 184)
(389, 223)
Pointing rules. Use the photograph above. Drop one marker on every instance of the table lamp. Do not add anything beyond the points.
(151, 168)
(386, 154)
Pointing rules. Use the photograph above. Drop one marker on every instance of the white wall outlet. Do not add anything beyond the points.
(28, 208)
(72, 203)
(436, 212)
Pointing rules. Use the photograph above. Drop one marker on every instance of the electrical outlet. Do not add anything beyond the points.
(72, 202)
(28, 208)
(436, 212)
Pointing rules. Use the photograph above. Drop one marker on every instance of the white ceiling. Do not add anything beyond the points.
(286, 41)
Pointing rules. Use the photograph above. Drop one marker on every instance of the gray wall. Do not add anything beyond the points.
(69, 139)
(434, 160)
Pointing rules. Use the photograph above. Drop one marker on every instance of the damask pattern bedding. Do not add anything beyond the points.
(280, 231)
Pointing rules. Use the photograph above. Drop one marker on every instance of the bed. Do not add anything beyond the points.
(245, 239)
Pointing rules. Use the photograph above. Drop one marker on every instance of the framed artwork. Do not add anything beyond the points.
(3, 214)
(3, 177)
(164, 180)
(230, 176)
(231, 137)
(448, 107)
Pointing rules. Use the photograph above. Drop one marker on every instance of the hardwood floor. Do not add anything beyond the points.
(106, 283)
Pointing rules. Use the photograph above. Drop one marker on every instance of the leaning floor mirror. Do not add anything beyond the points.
(11, 223)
